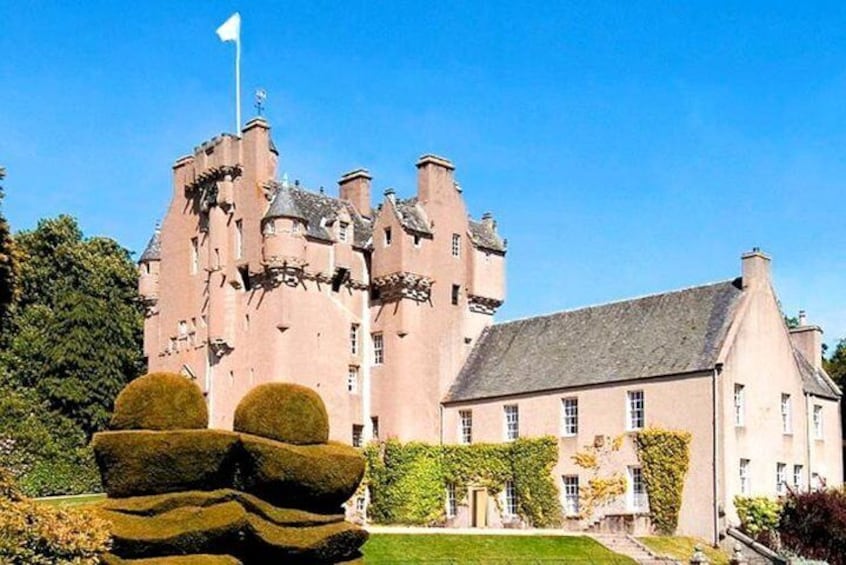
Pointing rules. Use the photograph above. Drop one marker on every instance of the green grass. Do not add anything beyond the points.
(445, 549)
(65, 501)
(681, 548)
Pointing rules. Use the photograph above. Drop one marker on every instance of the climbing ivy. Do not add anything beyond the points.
(601, 489)
(664, 459)
(408, 482)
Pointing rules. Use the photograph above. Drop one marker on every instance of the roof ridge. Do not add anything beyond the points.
(615, 302)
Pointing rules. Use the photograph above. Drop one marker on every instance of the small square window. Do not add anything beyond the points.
(571, 495)
(466, 426)
(781, 478)
(818, 422)
(378, 349)
(569, 416)
(357, 435)
(352, 379)
(634, 410)
(416, 240)
(745, 487)
(456, 245)
(456, 290)
(388, 237)
(786, 415)
(343, 231)
(739, 405)
(354, 339)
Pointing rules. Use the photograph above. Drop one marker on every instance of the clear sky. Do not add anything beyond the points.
(624, 150)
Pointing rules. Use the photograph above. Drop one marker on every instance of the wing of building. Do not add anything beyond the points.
(387, 313)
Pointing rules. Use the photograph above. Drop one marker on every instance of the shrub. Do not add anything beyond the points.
(204, 559)
(160, 401)
(759, 516)
(813, 525)
(664, 457)
(150, 462)
(37, 534)
(284, 412)
(310, 477)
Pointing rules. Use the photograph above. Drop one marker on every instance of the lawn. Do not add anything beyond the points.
(77, 500)
(682, 548)
(478, 549)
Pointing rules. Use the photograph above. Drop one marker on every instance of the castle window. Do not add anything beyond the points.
(797, 477)
(195, 255)
(416, 238)
(637, 490)
(510, 506)
(569, 416)
(818, 422)
(456, 245)
(781, 478)
(270, 227)
(634, 410)
(374, 423)
(239, 239)
(451, 503)
(456, 289)
(745, 487)
(359, 504)
(146, 268)
(512, 422)
(352, 379)
(378, 349)
(739, 405)
(786, 414)
(571, 495)
(387, 237)
(343, 228)
(354, 339)
(357, 434)
(244, 273)
(295, 226)
(465, 426)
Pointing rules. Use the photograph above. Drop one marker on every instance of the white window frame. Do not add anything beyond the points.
(511, 421)
(739, 405)
(456, 245)
(509, 506)
(637, 500)
(378, 348)
(786, 414)
(352, 379)
(569, 416)
(354, 339)
(798, 472)
(239, 239)
(195, 256)
(343, 231)
(360, 505)
(817, 416)
(357, 438)
(570, 490)
(635, 410)
(465, 426)
(781, 478)
(743, 475)
(451, 501)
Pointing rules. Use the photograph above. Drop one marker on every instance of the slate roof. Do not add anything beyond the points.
(318, 211)
(814, 381)
(483, 236)
(153, 251)
(412, 216)
(663, 334)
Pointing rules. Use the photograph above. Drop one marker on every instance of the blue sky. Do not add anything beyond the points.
(624, 149)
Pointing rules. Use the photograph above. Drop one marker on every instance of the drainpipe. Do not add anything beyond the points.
(365, 354)
(808, 412)
(441, 431)
(718, 369)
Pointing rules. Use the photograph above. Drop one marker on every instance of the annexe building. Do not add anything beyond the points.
(387, 313)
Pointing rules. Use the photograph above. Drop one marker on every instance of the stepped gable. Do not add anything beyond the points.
(664, 334)
(318, 211)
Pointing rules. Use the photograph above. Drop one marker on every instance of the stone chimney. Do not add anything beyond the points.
(488, 221)
(756, 269)
(355, 187)
(434, 178)
(257, 151)
(807, 338)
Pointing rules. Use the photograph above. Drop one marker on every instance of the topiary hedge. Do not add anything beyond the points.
(160, 401)
(664, 459)
(408, 482)
(148, 462)
(285, 412)
(813, 524)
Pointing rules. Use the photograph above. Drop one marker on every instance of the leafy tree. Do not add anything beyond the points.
(835, 365)
(77, 323)
(7, 262)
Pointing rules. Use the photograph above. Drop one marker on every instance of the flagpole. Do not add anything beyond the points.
(238, 85)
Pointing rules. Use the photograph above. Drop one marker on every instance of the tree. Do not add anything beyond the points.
(835, 365)
(7, 262)
(77, 323)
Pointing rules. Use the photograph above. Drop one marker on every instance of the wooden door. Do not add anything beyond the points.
(480, 508)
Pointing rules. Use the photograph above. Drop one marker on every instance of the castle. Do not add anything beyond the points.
(387, 312)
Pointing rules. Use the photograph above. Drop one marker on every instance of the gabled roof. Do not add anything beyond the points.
(153, 251)
(815, 381)
(318, 211)
(484, 236)
(663, 334)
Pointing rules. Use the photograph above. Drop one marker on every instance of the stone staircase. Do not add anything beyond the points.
(630, 547)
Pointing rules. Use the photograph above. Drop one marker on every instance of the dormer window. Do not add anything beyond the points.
(270, 228)
(295, 226)
(343, 231)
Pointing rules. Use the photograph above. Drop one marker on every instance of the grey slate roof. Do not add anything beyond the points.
(485, 237)
(412, 216)
(153, 251)
(664, 334)
(813, 380)
(318, 211)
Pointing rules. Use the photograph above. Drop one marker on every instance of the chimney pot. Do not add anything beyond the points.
(803, 319)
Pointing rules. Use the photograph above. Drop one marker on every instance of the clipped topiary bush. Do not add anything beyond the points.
(310, 477)
(285, 412)
(160, 401)
(149, 462)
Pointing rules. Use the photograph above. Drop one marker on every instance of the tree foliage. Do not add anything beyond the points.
(813, 524)
(835, 365)
(7, 261)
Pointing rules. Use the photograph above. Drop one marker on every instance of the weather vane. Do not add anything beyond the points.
(261, 96)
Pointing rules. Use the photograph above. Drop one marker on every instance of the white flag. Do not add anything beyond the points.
(231, 28)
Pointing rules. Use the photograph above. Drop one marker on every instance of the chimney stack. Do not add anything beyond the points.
(435, 178)
(756, 269)
(355, 187)
(808, 340)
